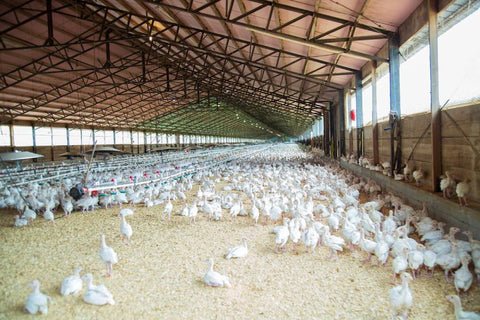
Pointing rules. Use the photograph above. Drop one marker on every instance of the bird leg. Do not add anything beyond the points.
(414, 274)
(333, 255)
(446, 276)
(368, 258)
(109, 269)
(394, 278)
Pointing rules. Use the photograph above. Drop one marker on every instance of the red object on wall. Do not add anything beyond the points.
(352, 115)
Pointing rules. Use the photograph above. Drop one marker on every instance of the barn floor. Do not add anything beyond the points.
(159, 275)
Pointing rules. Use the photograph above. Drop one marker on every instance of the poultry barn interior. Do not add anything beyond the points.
(240, 159)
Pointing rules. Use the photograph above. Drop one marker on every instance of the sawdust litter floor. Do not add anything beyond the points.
(159, 275)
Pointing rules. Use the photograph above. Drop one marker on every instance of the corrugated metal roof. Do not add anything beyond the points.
(125, 64)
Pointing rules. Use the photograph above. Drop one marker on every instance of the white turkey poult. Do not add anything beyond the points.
(126, 230)
(240, 251)
(72, 284)
(96, 294)
(459, 313)
(37, 301)
(463, 188)
(108, 255)
(401, 298)
(213, 278)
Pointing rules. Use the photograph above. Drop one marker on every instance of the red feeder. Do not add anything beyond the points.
(352, 115)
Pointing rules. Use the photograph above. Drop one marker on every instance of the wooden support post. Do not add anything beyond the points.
(376, 157)
(435, 96)
(394, 68)
(359, 112)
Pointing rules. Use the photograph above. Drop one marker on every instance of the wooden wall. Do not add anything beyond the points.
(458, 156)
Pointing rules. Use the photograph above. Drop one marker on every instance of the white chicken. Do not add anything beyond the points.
(240, 251)
(447, 185)
(108, 255)
(126, 212)
(459, 313)
(367, 245)
(192, 212)
(400, 263)
(72, 284)
(213, 278)
(48, 215)
(401, 298)
(282, 234)
(20, 222)
(415, 259)
(67, 206)
(29, 214)
(334, 243)
(463, 278)
(463, 188)
(167, 210)
(126, 230)
(418, 175)
(311, 238)
(37, 301)
(97, 295)
(255, 213)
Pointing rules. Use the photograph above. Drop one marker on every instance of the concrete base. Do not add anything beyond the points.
(438, 208)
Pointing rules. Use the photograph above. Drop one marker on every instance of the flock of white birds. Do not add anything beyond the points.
(448, 181)
(309, 203)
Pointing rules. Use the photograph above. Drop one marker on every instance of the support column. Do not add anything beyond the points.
(114, 138)
(12, 139)
(34, 141)
(349, 124)
(335, 130)
(144, 142)
(376, 157)
(341, 120)
(131, 141)
(435, 96)
(326, 134)
(68, 138)
(82, 149)
(359, 112)
(394, 68)
(52, 152)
